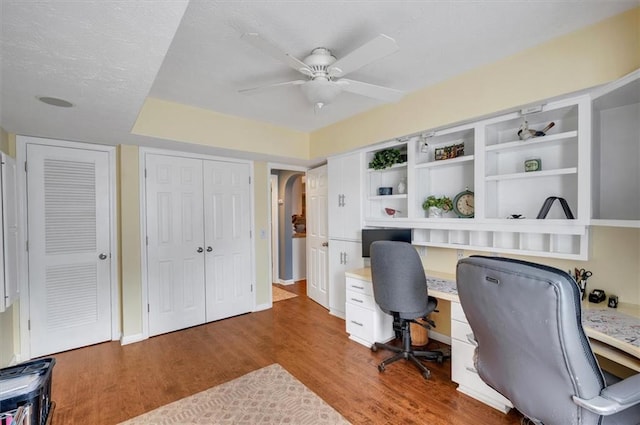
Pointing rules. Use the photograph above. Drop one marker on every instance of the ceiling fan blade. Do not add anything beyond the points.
(271, 86)
(370, 90)
(267, 47)
(375, 49)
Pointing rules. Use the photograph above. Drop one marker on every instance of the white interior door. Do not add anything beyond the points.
(69, 248)
(175, 253)
(227, 212)
(317, 236)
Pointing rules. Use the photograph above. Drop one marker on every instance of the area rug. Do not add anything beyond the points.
(270, 395)
(280, 294)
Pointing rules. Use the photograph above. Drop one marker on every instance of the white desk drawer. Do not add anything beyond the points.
(460, 330)
(464, 373)
(361, 300)
(360, 322)
(359, 286)
(457, 313)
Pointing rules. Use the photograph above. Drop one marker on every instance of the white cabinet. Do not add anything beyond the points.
(616, 153)
(345, 173)
(365, 322)
(463, 370)
(8, 232)
(345, 249)
(343, 256)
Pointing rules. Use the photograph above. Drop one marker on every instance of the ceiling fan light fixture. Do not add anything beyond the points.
(320, 92)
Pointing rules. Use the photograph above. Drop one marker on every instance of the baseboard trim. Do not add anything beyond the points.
(439, 337)
(286, 282)
(130, 339)
(261, 307)
(337, 313)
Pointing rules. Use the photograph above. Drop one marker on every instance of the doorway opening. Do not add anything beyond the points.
(288, 229)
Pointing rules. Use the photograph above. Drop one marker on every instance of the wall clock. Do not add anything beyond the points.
(463, 204)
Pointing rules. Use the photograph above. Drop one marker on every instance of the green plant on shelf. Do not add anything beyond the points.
(386, 158)
(444, 203)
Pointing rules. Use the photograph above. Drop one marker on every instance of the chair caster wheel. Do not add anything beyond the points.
(374, 348)
(381, 367)
(426, 375)
(440, 360)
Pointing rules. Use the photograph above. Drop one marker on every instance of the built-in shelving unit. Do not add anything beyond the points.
(589, 158)
(379, 206)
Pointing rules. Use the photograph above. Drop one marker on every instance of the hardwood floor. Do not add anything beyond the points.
(108, 383)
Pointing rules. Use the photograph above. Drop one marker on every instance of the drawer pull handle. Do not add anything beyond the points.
(357, 287)
(471, 369)
(357, 300)
(356, 323)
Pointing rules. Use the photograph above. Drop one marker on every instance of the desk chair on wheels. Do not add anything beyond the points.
(531, 347)
(400, 289)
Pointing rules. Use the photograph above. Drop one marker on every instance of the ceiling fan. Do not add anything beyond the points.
(324, 71)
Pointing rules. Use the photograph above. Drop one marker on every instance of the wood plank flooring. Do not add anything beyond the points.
(108, 383)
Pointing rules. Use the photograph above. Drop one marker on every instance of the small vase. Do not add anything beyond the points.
(434, 212)
(402, 187)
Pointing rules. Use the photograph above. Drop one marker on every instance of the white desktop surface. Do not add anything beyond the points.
(612, 331)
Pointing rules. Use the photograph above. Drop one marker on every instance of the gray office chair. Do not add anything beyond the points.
(532, 349)
(400, 289)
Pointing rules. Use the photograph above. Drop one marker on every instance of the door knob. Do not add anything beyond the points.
(200, 249)
(209, 249)
(325, 243)
(102, 256)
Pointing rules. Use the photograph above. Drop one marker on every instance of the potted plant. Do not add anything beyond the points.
(386, 158)
(436, 206)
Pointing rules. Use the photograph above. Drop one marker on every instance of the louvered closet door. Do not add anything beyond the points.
(175, 252)
(68, 225)
(227, 211)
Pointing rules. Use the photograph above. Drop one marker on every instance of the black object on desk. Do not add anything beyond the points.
(597, 296)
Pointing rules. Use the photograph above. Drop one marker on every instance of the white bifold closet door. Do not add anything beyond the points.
(69, 248)
(199, 241)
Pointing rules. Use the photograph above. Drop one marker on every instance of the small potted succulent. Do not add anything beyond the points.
(435, 207)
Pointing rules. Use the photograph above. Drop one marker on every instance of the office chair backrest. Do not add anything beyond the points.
(531, 346)
(399, 282)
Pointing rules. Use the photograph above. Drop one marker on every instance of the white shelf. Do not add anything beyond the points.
(616, 223)
(381, 197)
(534, 142)
(533, 174)
(446, 162)
(393, 167)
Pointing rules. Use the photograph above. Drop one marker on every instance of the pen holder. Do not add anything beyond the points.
(582, 285)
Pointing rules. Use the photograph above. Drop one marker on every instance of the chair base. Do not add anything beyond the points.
(405, 352)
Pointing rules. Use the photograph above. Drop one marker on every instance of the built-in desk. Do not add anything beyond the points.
(614, 333)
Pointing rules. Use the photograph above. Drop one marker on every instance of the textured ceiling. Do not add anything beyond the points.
(106, 57)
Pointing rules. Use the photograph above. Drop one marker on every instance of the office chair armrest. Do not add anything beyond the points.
(614, 398)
